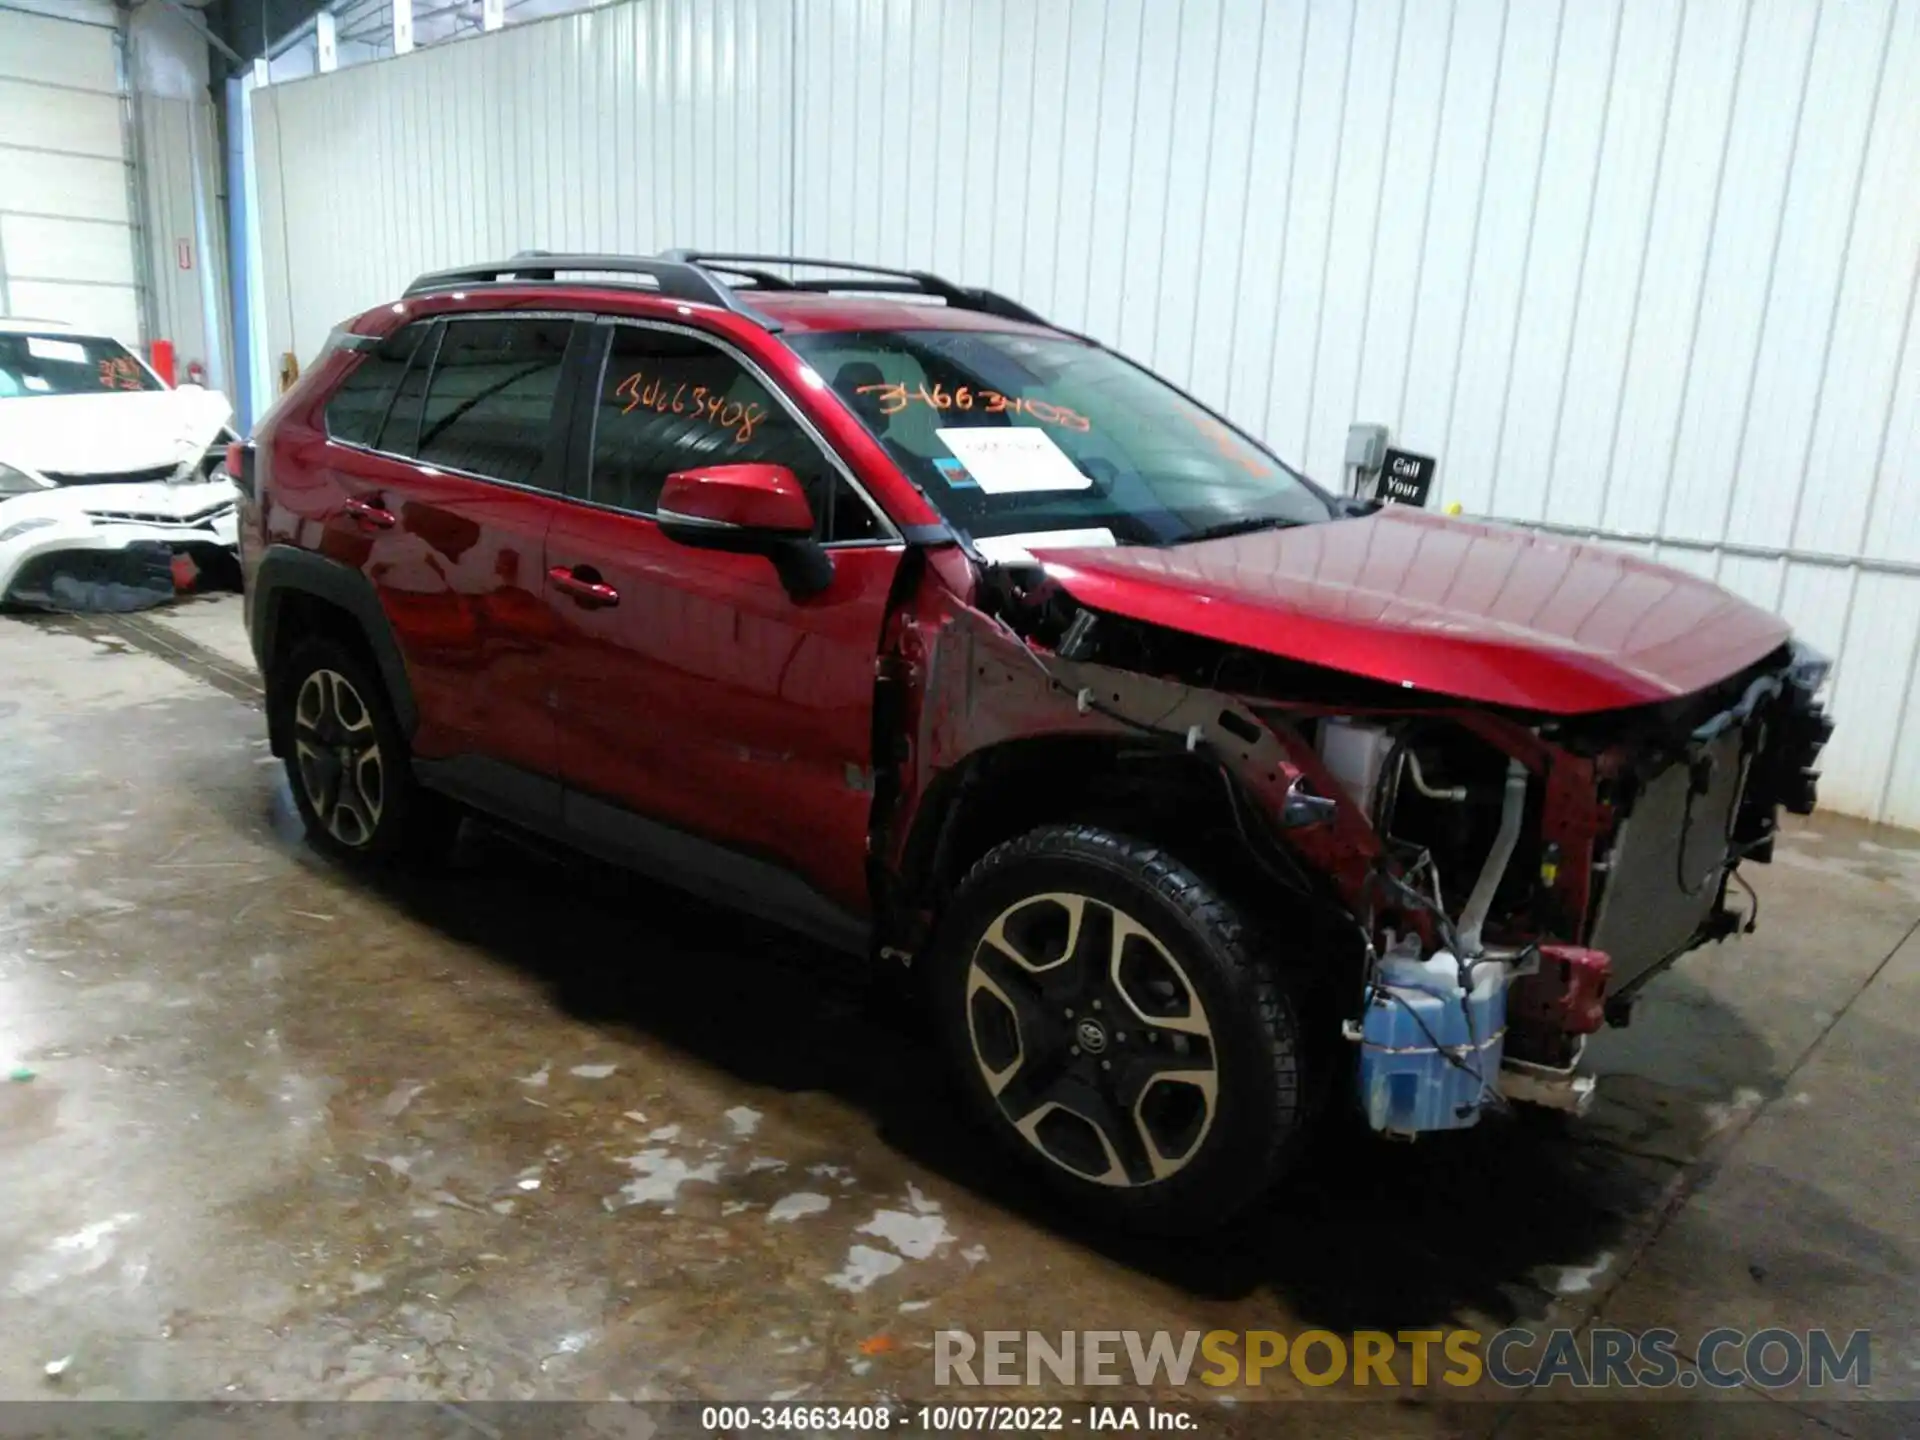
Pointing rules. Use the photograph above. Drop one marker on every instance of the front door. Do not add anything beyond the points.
(694, 692)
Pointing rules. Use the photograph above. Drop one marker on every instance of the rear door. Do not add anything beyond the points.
(704, 696)
(451, 479)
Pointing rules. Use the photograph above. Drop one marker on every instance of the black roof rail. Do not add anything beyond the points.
(699, 277)
(865, 278)
(672, 277)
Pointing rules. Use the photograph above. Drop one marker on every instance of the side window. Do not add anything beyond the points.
(670, 402)
(401, 430)
(360, 404)
(489, 404)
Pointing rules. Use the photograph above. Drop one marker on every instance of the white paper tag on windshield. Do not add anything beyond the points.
(1013, 549)
(1013, 460)
(64, 351)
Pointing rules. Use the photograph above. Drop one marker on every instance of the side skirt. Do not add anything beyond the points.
(701, 867)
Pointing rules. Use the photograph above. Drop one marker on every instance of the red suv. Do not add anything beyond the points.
(1198, 797)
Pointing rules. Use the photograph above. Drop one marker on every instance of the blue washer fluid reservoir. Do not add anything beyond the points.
(1414, 1019)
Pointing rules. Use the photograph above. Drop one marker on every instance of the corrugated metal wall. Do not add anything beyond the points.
(1638, 268)
(627, 128)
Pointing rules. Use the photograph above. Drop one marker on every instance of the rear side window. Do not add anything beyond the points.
(401, 430)
(670, 402)
(360, 404)
(489, 404)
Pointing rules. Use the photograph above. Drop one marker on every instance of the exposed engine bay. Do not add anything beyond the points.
(1502, 880)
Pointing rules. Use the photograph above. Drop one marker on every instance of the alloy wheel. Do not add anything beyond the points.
(1092, 1039)
(338, 754)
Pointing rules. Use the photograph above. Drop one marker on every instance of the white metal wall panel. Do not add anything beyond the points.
(32, 117)
(67, 186)
(273, 316)
(58, 53)
(66, 234)
(628, 128)
(1638, 268)
(188, 242)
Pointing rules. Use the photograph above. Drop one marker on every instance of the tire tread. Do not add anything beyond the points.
(1268, 997)
(418, 825)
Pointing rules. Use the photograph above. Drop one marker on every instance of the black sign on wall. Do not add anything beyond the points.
(1405, 478)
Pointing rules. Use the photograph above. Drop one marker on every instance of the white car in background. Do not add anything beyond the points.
(104, 469)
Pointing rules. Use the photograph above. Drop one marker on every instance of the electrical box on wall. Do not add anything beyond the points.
(1366, 446)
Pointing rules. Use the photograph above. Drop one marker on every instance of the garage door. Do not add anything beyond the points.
(66, 234)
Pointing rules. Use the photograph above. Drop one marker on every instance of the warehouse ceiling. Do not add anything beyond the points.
(249, 26)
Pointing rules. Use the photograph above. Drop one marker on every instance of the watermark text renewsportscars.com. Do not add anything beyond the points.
(1721, 1358)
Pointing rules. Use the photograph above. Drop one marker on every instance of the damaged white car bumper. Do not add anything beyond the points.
(70, 519)
(99, 492)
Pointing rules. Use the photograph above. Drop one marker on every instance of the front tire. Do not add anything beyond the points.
(347, 761)
(1109, 1022)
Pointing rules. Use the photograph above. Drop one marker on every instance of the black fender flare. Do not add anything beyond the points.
(285, 570)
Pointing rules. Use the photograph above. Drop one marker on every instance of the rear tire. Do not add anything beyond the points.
(348, 763)
(1108, 1021)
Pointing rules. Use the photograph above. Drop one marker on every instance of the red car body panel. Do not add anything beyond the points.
(709, 700)
(458, 571)
(1480, 612)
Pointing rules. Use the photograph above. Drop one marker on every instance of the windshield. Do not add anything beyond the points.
(1017, 435)
(33, 365)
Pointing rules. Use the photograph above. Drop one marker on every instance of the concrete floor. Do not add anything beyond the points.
(540, 1130)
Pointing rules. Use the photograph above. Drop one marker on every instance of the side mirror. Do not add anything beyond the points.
(762, 500)
(749, 510)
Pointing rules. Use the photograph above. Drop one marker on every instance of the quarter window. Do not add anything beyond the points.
(670, 402)
(489, 405)
(360, 404)
(400, 431)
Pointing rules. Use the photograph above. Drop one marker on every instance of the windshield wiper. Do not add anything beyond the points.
(1245, 525)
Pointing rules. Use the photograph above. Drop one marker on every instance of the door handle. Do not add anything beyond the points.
(372, 514)
(587, 588)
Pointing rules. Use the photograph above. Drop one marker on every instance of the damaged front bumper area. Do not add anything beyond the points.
(1494, 885)
(114, 543)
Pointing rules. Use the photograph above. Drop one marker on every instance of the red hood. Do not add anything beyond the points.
(1486, 613)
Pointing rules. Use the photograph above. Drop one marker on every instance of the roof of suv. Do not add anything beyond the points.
(854, 297)
(806, 311)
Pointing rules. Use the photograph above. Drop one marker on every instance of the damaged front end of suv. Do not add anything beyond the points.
(1480, 836)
